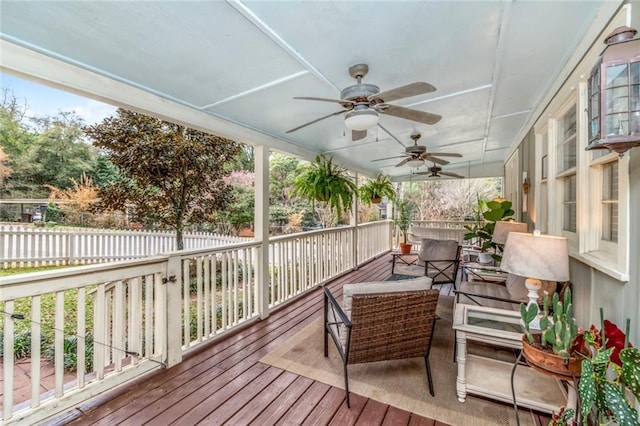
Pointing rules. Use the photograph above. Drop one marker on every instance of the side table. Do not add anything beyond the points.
(407, 259)
(473, 271)
(491, 378)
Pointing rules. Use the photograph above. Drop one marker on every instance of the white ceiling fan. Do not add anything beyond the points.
(436, 171)
(362, 103)
(416, 155)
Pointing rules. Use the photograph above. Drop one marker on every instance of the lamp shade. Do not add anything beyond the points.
(503, 228)
(544, 257)
(361, 119)
(415, 162)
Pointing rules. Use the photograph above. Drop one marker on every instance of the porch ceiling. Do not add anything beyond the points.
(241, 63)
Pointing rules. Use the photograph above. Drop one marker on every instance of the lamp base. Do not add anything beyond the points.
(533, 286)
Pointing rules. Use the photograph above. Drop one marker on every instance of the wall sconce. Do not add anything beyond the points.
(614, 94)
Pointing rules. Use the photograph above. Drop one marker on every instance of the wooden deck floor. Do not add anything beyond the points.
(225, 383)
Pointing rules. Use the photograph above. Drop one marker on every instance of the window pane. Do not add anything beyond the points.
(617, 76)
(569, 218)
(610, 222)
(610, 201)
(617, 124)
(617, 100)
(567, 141)
(635, 72)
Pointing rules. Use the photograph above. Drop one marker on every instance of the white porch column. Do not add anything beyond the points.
(261, 228)
(354, 223)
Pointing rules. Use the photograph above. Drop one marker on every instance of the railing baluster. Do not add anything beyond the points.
(7, 405)
(36, 333)
(59, 345)
(80, 337)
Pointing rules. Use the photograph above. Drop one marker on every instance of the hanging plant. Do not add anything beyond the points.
(373, 191)
(326, 182)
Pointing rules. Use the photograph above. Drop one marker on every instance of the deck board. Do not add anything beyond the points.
(226, 383)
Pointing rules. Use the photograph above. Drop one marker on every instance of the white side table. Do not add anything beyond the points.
(491, 378)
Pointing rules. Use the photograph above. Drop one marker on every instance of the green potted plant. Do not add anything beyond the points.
(403, 221)
(326, 182)
(373, 191)
(611, 377)
(482, 232)
(607, 364)
(555, 348)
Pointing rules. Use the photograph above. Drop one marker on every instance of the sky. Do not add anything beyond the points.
(45, 101)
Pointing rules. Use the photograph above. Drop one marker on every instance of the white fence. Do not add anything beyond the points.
(147, 313)
(22, 246)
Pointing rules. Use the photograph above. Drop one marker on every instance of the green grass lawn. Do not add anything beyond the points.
(16, 271)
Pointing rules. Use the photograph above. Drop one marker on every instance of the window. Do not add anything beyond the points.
(569, 216)
(542, 195)
(566, 145)
(567, 141)
(610, 202)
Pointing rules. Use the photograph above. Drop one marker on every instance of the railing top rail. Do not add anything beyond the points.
(75, 271)
(232, 246)
(335, 229)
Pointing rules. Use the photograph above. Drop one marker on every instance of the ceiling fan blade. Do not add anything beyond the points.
(403, 162)
(409, 114)
(455, 175)
(411, 89)
(433, 159)
(356, 135)
(446, 154)
(337, 101)
(314, 121)
(422, 173)
(388, 158)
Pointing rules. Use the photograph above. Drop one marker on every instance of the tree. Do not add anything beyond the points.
(46, 150)
(239, 213)
(76, 201)
(449, 199)
(172, 175)
(282, 172)
(5, 170)
(58, 155)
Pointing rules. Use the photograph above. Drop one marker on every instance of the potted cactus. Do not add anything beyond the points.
(556, 349)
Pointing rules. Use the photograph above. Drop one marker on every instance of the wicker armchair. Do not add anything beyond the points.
(383, 324)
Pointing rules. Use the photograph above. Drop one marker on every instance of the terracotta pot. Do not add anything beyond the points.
(550, 363)
(405, 248)
(376, 200)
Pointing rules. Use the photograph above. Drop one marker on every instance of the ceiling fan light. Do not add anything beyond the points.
(415, 163)
(361, 120)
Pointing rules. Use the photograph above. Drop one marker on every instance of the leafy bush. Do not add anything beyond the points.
(70, 351)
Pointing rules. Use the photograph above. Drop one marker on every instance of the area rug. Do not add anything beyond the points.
(408, 270)
(399, 383)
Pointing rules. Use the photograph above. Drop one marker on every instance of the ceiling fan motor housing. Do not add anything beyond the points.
(359, 92)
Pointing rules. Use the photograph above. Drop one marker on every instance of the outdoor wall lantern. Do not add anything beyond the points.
(614, 94)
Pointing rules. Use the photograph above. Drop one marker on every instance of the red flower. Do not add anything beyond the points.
(615, 339)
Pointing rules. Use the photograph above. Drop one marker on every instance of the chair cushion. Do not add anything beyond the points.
(430, 250)
(438, 249)
(349, 290)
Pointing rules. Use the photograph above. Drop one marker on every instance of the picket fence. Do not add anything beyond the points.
(22, 246)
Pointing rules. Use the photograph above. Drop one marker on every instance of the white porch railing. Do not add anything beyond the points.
(147, 313)
(22, 246)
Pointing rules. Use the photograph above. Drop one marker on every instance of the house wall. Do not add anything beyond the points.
(594, 285)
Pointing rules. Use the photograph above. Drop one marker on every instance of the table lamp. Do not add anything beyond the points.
(503, 228)
(537, 257)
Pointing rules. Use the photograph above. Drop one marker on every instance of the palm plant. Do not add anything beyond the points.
(326, 182)
(373, 191)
